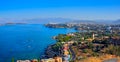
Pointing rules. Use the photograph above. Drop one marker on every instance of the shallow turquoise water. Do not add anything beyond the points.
(27, 41)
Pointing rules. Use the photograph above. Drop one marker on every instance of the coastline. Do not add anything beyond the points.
(49, 52)
(19, 34)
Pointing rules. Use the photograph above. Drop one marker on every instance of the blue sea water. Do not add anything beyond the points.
(26, 41)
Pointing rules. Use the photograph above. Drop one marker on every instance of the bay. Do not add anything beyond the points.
(26, 41)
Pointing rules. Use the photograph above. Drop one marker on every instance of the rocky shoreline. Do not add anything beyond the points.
(49, 52)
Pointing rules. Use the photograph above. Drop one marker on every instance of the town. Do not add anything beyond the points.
(59, 30)
(86, 26)
(95, 43)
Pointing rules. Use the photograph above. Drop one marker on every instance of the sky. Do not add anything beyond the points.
(74, 9)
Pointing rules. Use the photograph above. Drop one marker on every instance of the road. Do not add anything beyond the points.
(72, 52)
(111, 60)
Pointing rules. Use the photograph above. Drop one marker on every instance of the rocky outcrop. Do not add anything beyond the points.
(49, 52)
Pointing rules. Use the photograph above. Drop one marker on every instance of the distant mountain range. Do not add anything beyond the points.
(36, 21)
(118, 21)
(56, 20)
(96, 21)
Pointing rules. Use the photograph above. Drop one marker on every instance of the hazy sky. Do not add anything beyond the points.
(75, 9)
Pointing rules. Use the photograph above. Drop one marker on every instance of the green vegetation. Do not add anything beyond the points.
(104, 41)
(61, 38)
(12, 60)
(84, 48)
(56, 46)
(112, 49)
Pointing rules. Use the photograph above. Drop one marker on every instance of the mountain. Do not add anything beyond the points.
(94, 21)
(116, 22)
(36, 21)
(48, 20)
(56, 20)
(82, 21)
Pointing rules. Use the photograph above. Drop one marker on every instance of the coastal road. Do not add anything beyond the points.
(72, 52)
(112, 60)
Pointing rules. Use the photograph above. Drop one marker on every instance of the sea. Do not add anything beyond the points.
(26, 41)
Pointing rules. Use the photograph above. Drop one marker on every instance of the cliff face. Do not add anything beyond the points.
(49, 52)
